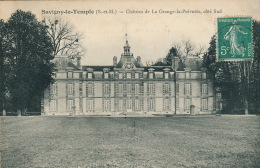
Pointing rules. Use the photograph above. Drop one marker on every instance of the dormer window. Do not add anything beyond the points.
(106, 75)
(166, 75)
(70, 75)
(150, 75)
(90, 75)
(120, 75)
(128, 75)
(136, 75)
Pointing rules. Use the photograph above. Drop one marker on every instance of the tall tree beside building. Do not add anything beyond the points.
(64, 39)
(239, 81)
(2, 34)
(28, 67)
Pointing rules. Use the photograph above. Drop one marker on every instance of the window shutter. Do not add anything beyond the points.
(66, 89)
(56, 89)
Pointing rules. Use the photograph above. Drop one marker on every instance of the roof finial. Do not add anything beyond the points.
(126, 39)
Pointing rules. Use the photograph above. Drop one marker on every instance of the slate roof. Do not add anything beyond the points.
(195, 63)
(158, 68)
(97, 68)
(121, 64)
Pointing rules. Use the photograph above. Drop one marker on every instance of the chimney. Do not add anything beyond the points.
(79, 62)
(175, 63)
(138, 59)
(114, 61)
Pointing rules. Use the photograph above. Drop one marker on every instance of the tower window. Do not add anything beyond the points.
(128, 75)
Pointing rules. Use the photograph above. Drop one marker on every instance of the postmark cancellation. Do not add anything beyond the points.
(234, 39)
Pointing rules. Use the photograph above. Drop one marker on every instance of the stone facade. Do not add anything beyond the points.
(128, 87)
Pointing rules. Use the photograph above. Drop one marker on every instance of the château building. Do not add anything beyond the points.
(129, 87)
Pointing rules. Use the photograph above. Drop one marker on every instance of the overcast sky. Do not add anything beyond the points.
(150, 35)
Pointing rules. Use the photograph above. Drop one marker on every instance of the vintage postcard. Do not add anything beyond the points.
(132, 83)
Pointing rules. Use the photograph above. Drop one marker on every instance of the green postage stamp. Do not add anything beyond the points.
(234, 39)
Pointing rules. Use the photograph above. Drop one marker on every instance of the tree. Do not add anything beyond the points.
(2, 34)
(239, 81)
(27, 59)
(182, 51)
(65, 41)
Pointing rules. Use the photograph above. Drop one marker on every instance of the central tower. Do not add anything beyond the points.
(127, 48)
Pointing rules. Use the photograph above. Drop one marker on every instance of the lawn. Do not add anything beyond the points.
(178, 141)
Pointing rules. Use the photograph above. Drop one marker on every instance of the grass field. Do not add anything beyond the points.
(179, 141)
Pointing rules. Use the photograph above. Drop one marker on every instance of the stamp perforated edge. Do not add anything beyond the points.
(216, 35)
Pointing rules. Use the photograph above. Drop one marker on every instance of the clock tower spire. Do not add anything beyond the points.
(127, 48)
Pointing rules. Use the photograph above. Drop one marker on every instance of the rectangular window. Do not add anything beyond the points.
(106, 88)
(53, 88)
(90, 89)
(166, 104)
(166, 88)
(80, 75)
(106, 105)
(137, 88)
(70, 75)
(177, 88)
(218, 95)
(90, 105)
(150, 88)
(106, 75)
(129, 104)
(204, 89)
(177, 103)
(120, 75)
(151, 104)
(187, 74)
(204, 104)
(166, 75)
(136, 75)
(120, 88)
(70, 89)
(150, 75)
(129, 88)
(80, 89)
(187, 88)
(137, 104)
(120, 105)
(187, 104)
(53, 105)
(70, 105)
(128, 75)
(204, 75)
(89, 75)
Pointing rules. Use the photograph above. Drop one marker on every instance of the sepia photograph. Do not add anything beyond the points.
(86, 84)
